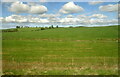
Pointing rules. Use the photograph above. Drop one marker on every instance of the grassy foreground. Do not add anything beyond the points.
(61, 51)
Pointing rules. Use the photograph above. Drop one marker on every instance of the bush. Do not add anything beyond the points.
(46, 28)
(50, 28)
(17, 26)
(70, 26)
(42, 28)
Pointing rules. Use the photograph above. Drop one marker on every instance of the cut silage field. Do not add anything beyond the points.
(61, 51)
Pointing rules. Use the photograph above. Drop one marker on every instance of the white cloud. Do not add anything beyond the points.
(82, 16)
(9, 19)
(69, 16)
(19, 7)
(109, 8)
(103, 21)
(70, 8)
(43, 1)
(73, 20)
(33, 20)
(54, 20)
(44, 21)
(31, 3)
(8, 0)
(1, 19)
(37, 20)
(98, 16)
(113, 21)
(16, 18)
(49, 15)
(95, 2)
(68, 20)
(23, 19)
(39, 9)
(95, 19)
(99, 22)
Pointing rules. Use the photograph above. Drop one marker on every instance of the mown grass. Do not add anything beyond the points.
(61, 51)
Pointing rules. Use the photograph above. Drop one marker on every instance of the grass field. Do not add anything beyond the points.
(61, 51)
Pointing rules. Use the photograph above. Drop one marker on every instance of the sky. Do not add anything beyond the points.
(63, 14)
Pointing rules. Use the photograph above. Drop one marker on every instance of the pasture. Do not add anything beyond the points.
(61, 51)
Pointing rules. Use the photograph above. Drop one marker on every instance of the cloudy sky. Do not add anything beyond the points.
(58, 13)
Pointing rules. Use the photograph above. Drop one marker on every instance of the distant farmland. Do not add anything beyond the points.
(61, 51)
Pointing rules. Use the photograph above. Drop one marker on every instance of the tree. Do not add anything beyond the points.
(57, 26)
(17, 26)
(52, 26)
(42, 28)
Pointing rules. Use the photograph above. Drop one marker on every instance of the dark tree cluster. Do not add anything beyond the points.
(50, 27)
(17, 26)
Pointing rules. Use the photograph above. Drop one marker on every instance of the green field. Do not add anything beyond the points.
(61, 51)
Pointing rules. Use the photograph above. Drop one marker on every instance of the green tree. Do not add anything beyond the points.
(57, 26)
(52, 26)
(17, 26)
